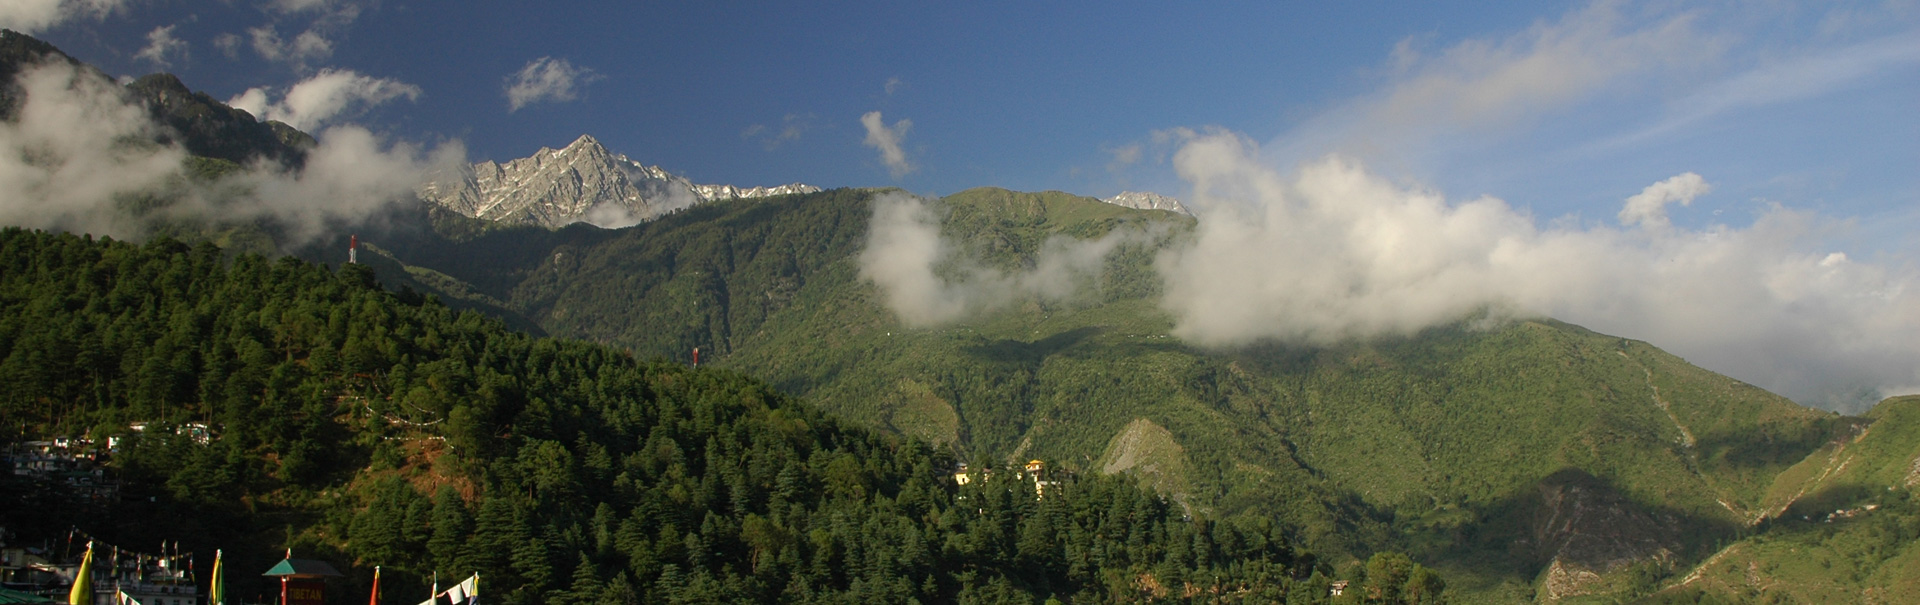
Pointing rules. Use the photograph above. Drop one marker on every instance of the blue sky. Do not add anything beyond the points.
(1035, 96)
(1735, 182)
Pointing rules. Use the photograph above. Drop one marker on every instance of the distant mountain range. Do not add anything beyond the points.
(583, 182)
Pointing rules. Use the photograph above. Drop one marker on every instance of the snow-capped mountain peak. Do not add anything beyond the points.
(582, 182)
(1146, 200)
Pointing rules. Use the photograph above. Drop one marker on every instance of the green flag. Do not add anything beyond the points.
(82, 593)
(217, 593)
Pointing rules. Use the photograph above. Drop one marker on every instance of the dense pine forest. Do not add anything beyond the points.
(370, 427)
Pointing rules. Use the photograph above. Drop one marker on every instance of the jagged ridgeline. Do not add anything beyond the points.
(216, 139)
(373, 428)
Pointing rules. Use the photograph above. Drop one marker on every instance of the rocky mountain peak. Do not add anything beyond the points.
(582, 182)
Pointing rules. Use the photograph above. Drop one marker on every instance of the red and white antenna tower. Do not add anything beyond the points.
(353, 249)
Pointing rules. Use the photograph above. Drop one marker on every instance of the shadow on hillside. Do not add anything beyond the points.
(1829, 501)
(1277, 358)
(1031, 353)
(1581, 521)
(1774, 445)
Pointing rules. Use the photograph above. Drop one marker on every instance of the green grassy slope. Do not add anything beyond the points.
(1848, 529)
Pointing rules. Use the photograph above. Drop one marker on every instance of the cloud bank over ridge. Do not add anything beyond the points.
(80, 151)
(927, 280)
(1336, 228)
(1332, 251)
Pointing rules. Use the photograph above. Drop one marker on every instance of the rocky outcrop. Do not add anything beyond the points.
(210, 128)
(1587, 531)
(196, 122)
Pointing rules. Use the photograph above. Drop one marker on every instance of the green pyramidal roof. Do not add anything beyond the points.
(302, 567)
(8, 595)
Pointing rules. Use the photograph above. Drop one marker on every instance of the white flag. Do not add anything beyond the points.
(471, 586)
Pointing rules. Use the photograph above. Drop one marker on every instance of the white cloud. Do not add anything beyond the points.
(329, 94)
(887, 141)
(309, 46)
(1793, 78)
(314, 43)
(66, 159)
(228, 43)
(1124, 156)
(903, 248)
(160, 45)
(546, 79)
(1298, 245)
(297, 6)
(927, 281)
(33, 16)
(79, 150)
(350, 175)
(253, 101)
(791, 128)
(1649, 208)
(1334, 252)
(1431, 104)
(1483, 82)
(894, 85)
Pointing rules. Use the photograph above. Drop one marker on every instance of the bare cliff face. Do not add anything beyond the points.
(1587, 533)
(583, 182)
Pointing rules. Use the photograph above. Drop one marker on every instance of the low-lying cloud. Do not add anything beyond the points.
(352, 173)
(1333, 252)
(926, 280)
(80, 150)
(1328, 234)
(71, 152)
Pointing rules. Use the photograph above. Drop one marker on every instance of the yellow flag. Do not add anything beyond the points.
(217, 593)
(82, 593)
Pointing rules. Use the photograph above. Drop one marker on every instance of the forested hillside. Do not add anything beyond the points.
(374, 428)
(1460, 444)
